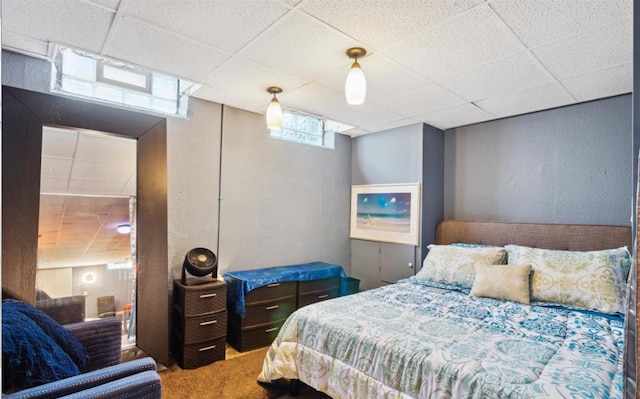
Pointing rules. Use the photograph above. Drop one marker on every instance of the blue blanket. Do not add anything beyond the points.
(36, 349)
(241, 282)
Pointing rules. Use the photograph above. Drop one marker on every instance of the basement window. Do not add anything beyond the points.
(305, 128)
(88, 76)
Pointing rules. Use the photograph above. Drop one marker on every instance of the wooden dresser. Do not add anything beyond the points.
(267, 307)
(199, 323)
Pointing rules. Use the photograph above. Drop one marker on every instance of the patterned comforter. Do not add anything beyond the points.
(415, 340)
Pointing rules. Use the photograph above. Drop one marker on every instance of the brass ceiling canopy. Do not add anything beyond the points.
(356, 52)
(274, 90)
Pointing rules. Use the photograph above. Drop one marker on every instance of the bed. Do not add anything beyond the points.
(541, 332)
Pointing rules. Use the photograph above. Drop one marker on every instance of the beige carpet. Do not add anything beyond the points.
(229, 379)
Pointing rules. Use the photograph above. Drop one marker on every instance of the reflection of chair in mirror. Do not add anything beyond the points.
(106, 306)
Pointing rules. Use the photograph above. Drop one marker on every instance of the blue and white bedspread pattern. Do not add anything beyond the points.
(410, 340)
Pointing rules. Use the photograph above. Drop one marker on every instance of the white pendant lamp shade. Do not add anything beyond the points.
(355, 87)
(274, 112)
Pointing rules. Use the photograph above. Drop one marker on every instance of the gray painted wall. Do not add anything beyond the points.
(282, 202)
(391, 156)
(565, 165)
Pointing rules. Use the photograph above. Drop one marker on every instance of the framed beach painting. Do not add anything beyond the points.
(386, 212)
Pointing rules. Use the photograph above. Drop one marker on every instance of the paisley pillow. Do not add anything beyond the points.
(448, 264)
(594, 280)
(504, 282)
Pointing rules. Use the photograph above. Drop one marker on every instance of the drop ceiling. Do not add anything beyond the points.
(86, 181)
(444, 63)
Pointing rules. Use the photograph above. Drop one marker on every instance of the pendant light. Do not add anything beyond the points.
(355, 87)
(274, 112)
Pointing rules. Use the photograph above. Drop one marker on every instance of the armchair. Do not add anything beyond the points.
(104, 376)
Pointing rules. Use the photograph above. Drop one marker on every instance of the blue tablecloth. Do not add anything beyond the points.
(239, 283)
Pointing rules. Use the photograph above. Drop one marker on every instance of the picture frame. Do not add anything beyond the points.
(386, 213)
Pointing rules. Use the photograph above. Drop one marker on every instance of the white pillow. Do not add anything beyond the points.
(594, 280)
(449, 264)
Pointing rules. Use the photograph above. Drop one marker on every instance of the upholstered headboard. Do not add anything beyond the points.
(573, 237)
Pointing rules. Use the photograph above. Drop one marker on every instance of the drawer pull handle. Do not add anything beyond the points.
(323, 296)
(207, 348)
(273, 285)
(206, 323)
(271, 329)
(273, 307)
(208, 295)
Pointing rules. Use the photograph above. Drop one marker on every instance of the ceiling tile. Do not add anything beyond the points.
(391, 125)
(110, 4)
(256, 102)
(365, 115)
(461, 115)
(531, 99)
(83, 170)
(323, 101)
(60, 143)
(56, 167)
(508, 74)
(419, 100)
(601, 48)
(49, 21)
(107, 149)
(146, 45)
(95, 187)
(383, 75)
(240, 78)
(400, 18)
(471, 39)
(604, 83)
(52, 185)
(560, 19)
(292, 46)
(24, 44)
(226, 25)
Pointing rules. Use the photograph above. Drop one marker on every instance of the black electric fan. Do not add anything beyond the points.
(199, 262)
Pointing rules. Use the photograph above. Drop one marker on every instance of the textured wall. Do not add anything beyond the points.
(565, 165)
(282, 202)
(391, 156)
(193, 162)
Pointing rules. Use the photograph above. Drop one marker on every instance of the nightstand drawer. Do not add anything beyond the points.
(200, 299)
(245, 339)
(268, 312)
(270, 292)
(318, 285)
(192, 356)
(318, 296)
(202, 328)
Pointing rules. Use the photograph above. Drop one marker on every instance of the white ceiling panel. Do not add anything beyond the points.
(59, 143)
(72, 22)
(291, 46)
(460, 115)
(549, 95)
(561, 19)
(227, 25)
(53, 185)
(24, 44)
(56, 167)
(101, 171)
(393, 125)
(384, 77)
(105, 149)
(235, 49)
(601, 48)
(508, 74)
(147, 45)
(419, 100)
(473, 38)
(365, 115)
(401, 18)
(248, 79)
(96, 187)
(604, 83)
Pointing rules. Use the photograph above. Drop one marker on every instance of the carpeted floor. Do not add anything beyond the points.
(229, 379)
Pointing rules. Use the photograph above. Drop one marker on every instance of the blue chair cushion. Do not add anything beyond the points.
(36, 349)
